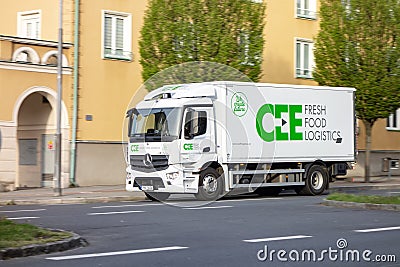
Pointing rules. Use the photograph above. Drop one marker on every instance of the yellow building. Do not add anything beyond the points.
(101, 72)
(28, 84)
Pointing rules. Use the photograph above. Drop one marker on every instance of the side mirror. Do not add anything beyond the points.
(129, 115)
(132, 111)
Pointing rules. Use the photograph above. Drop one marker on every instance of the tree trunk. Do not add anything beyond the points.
(368, 132)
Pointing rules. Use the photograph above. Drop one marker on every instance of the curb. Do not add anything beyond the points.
(75, 200)
(370, 206)
(36, 249)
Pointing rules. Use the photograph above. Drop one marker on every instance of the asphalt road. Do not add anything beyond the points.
(246, 231)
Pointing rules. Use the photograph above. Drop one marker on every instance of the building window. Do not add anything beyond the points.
(29, 24)
(306, 9)
(393, 121)
(117, 35)
(304, 58)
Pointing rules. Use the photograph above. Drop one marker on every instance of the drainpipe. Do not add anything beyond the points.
(75, 96)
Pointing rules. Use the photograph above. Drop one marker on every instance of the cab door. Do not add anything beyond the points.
(198, 140)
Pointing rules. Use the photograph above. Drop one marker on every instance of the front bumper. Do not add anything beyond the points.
(172, 180)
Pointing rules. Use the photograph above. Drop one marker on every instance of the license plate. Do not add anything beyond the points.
(147, 188)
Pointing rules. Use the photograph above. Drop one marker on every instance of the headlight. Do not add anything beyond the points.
(172, 175)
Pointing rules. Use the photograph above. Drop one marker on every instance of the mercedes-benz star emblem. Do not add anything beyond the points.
(147, 161)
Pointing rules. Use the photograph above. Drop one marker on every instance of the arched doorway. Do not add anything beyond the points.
(36, 125)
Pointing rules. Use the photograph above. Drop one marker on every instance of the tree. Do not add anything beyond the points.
(358, 45)
(228, 32)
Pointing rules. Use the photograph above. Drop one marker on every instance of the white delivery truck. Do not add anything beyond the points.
(211, 138)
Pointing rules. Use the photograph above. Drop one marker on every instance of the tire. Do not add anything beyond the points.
(316, 181)
(268, 191)
(210, 185)
(157, 196)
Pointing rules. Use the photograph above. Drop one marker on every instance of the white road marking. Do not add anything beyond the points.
(105, 254)
(250, 199)
(178, 203)
(204, 208)
(115, 212)
(378, 229)
(128, 205)
(13, 211)
(64, 204)
(276, 238)
(181, 203)
(23, 218)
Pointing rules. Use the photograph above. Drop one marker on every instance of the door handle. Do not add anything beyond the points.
(206, 149)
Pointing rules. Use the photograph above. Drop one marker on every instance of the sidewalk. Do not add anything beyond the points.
(76, 195)
(357, 183)
(94, 194)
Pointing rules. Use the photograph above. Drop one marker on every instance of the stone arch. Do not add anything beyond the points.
(49, 54)
(33, 55)
(35, 117)
(52, 97)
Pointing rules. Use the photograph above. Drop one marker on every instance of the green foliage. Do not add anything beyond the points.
(359, 46)
(17, 235)
(365, 198)
(228, 32)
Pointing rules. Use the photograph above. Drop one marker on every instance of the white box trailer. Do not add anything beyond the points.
(211, 138)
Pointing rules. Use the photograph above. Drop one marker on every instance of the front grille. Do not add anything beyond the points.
(159, 163)
(156, 182)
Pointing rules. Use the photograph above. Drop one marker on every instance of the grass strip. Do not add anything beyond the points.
(373, 199)
(21, 234)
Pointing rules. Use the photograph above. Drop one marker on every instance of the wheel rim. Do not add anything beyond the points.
(317, 180)
(210, 184)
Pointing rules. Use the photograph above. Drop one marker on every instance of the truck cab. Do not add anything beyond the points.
(171, 137)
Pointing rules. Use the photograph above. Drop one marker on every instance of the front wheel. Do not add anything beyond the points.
(316, 181)
(157, 196)
(210, 185)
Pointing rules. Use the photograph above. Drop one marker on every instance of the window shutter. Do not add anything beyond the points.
(298, 59)
(107, 35)
(306, 57)
(119, 42)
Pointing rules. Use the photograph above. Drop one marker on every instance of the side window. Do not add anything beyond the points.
(200, 127)
(195, 124)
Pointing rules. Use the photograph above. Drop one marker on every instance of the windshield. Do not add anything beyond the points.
(156, 124)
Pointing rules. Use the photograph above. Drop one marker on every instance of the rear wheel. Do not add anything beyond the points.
(210, 185)
(316, 181)
(157, 196)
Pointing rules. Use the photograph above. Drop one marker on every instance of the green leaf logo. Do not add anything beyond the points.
(239, 104)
